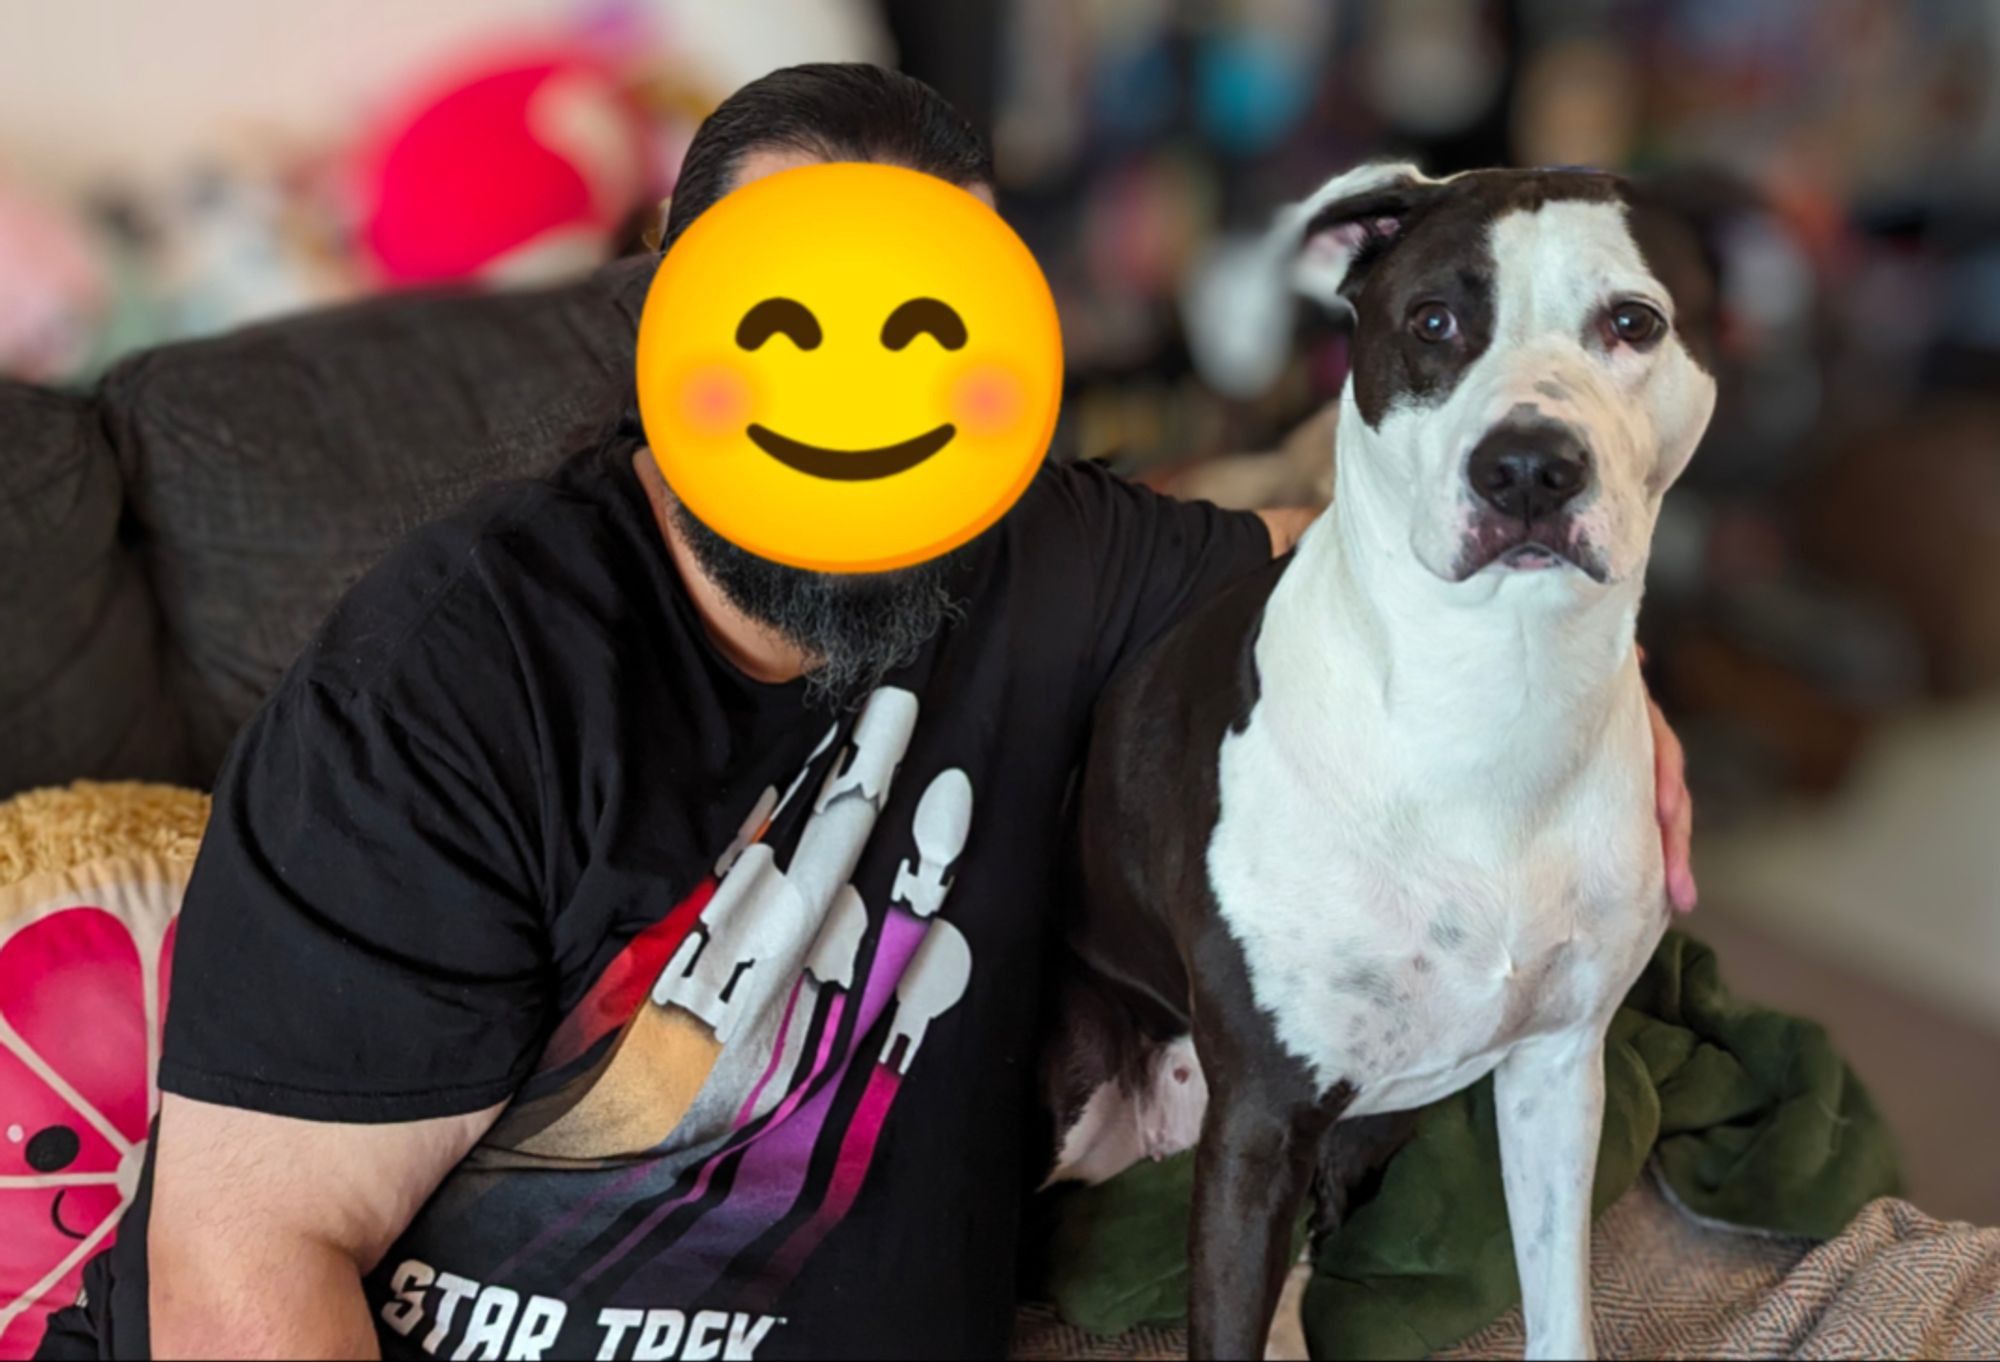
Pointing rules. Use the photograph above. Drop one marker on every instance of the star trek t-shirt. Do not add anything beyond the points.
(758, 978)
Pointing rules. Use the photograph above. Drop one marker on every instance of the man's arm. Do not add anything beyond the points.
(361, 978)
(1286, 524)
(263, 1226)
(1675, 810)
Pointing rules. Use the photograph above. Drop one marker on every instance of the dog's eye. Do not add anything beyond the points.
(1635, 324)
(1433, 322)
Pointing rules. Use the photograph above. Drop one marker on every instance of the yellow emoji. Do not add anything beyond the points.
(849, 367)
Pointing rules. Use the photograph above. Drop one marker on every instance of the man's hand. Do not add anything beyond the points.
(263, 1226)
(1675, 810)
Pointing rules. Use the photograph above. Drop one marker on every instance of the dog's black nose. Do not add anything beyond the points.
(1528, 472)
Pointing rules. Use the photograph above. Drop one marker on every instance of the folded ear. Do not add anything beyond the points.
(1333, 236)
(1237, 305)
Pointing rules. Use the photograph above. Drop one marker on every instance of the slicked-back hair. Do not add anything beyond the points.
(836, 111)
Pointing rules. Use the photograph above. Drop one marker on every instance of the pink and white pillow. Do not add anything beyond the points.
(85, 958)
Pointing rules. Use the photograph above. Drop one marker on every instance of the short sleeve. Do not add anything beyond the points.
(1153, 558)
(360, 940)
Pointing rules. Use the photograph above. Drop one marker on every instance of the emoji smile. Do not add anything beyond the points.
(850, 465)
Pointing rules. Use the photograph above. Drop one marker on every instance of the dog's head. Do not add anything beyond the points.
(1531, 359)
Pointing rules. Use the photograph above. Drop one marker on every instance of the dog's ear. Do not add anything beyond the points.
(1340, 231)
(1237, 305)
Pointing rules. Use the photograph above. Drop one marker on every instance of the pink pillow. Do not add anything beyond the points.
(85, 955)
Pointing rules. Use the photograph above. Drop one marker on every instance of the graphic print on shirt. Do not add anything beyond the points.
(749, 941)
(716, 1101)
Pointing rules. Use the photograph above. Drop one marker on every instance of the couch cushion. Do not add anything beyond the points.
(269, 468)
(80, 688)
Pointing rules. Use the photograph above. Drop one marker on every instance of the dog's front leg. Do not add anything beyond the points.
(1255, 1159)
(1549, 1097)
(1250, 1174)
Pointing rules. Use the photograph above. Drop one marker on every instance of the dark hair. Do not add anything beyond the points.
(841, 111)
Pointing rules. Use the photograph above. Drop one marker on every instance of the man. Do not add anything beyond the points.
(609, 943)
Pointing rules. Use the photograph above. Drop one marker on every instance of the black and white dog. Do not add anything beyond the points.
(1380, 820)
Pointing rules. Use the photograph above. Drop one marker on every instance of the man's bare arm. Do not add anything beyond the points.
(1286, 524)
(263, 1226)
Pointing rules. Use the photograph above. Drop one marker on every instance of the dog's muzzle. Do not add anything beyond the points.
(1525, 477)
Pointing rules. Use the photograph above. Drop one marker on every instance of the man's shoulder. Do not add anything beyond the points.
(1065, 488)
(1084, 494)
(1086, 511)
(453, 591)
(1067, 511)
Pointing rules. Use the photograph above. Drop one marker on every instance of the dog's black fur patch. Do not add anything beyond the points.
(1151, 958)
(1439, 251)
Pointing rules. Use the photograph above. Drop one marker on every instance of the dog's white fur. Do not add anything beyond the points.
(1437, 844)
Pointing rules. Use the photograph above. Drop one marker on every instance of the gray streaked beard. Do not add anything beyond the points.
(855, 627)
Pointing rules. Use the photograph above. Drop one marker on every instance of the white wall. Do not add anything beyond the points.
(94, 87)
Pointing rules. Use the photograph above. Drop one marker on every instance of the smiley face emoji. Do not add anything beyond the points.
(849, 368)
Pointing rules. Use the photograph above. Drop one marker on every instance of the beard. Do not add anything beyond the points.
(854, 628)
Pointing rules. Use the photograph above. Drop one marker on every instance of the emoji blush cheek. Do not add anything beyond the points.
(986, 400)
(715, 400)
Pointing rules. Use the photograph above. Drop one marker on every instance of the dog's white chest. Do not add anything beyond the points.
(1404, 946)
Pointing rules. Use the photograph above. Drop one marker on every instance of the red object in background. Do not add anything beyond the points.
(520, 168)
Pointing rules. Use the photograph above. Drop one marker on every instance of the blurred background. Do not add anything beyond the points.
(1824, 615)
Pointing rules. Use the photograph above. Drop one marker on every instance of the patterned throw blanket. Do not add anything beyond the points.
(1894, 1283)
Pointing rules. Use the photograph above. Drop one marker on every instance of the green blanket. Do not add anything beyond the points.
(1752, 1117)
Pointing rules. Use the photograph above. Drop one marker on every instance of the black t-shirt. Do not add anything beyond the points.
(759, 978)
